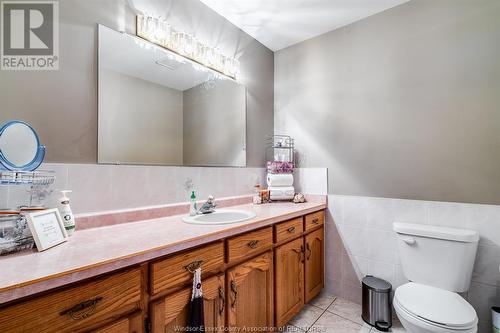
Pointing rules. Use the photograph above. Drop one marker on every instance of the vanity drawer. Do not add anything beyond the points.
(250, 243)
(315, 219)
(76, 309)
(288, 230)
(172, 273)
(120, 326)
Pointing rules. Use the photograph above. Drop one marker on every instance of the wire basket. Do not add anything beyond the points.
(15, 234)
(280, 148)
(37, 183)
(280, 154)
(33, 178)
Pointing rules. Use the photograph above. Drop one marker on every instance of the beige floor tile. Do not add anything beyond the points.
(346, 309)
(306, 317)
(323, 300)
(331, 323)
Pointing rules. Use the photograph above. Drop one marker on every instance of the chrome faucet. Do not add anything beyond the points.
(208, 207)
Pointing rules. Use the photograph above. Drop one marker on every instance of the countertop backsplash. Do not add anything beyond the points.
(99, 187)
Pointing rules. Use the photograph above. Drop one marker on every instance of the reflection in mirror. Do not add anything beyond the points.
(19, 145)
(156, 107)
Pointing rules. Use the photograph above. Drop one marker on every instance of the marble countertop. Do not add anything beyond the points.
(100, 250)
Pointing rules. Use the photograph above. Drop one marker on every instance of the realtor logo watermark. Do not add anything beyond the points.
(29, 35)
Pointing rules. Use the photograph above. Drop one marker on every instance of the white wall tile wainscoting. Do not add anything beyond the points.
(360, 241)
(100, 187)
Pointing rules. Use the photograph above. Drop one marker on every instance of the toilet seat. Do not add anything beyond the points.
(435, 307)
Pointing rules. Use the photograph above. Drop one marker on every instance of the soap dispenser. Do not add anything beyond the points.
(192, 206)
(66, 213)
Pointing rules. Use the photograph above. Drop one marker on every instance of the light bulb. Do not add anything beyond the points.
(158, 31)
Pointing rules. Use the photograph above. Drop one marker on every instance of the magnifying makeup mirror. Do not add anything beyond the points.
(20, 148)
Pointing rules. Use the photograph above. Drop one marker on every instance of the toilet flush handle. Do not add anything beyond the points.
(409, 240)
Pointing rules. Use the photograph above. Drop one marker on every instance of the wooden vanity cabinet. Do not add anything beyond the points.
(249, 244)
(131, 324)
(253, 281)
(289, 280)
(170, 314)
(288, 230)
(77, 309)
(314, 263)
(314, 220)
(249, 295)
(171, 274)
(299, 267)
(118, 326)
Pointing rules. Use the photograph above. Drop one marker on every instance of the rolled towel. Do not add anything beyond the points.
(279, 179)
(286, 191)
(281, 197)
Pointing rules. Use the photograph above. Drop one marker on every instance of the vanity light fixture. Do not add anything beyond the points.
(159, 32)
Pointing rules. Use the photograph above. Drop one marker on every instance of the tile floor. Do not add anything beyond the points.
(330, 314)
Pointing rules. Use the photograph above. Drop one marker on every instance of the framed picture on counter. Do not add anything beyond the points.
(47, 228)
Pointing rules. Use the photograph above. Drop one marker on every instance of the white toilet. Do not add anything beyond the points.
(438, 261)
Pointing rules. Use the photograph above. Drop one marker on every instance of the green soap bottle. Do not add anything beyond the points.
(192, 206)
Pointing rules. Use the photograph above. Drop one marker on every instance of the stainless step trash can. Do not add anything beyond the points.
(377, 309)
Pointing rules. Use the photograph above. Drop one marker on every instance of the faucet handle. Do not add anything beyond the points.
(208, 206)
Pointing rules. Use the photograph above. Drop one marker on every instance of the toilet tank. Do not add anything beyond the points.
(437, 256)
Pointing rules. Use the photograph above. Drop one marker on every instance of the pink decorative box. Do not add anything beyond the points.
(279, 167)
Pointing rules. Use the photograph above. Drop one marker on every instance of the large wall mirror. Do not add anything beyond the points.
(158, 108)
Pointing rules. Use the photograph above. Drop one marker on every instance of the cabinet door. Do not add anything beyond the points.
(289, 277)
(250, 294)
(171, 313)
(314, 276)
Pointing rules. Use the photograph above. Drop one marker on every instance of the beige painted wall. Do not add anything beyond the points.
(140, 122)
(214, 124)
(403, 104)
(62, 105)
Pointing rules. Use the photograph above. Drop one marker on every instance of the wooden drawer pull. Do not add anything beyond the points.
(291, 230)
(315, 220)
(234, 291)
(300, 253)
(191, 267)
(222, 300)
(253, 244)
(309, 252)
(82, 310)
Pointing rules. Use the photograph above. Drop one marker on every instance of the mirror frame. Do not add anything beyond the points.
(37, 158)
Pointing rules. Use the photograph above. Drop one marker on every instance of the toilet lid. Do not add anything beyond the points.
(436, 305)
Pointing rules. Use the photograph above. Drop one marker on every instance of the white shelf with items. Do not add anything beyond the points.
(280, 148)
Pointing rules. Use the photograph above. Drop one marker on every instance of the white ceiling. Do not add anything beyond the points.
(281, 23)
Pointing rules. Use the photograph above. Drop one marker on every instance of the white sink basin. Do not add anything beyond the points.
(220, 216)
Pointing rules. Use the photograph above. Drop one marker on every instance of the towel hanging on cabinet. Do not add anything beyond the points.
(196, 322)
